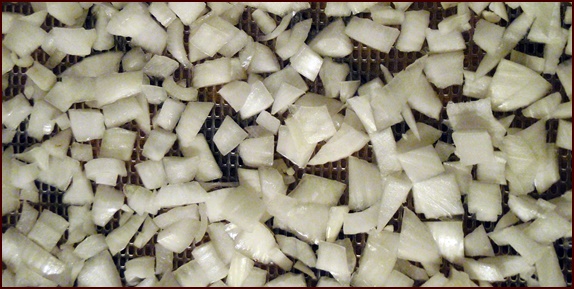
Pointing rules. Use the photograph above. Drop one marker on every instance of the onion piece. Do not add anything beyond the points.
(175, 44)
(564, 137)
(297, 36)
(158, 144)
(119, 238)
(279, 29)
(134, 21)
(564, 72)
(319, 190)
(332, 41)
(100, 270)
(80, 192)
(411, 271)
(140, 199)
(66, 13)
(380, 37)
(475, 115)
(91, 246)
(258, 244)
(412, 34)
(228, 136)
(293, 214)
(81, 223)
(257, 152)
(139, 268)
(297, 249)
(178, 236)
(361, 222)
(526, 247)
(337, 9)
(73, 41)
(218, 30)
(548, 228)
(48, 230)
(208, 169)
(27, 219)
(163, 14)
(332, 74)
(438, 196)
(118, 143)
(482, 271)
(327, 281)
(449, 239)
(268, 121)
(477, 243)
(212, 72)
(187, 12)
(239, 269)
(23, 38)
(103, 13)
(209, 262)
(386, 15)
(191, 274)
(290, 146)
(333, 258)
(548, 269)
(96, 65)
(288, 280)
(315, 123)
(265, 23)
(473, 87)
(43, 77)
(377, 260)
(15, 110)
(417, 173)
(416, 241)
(342, 141)
(160, 66)
(163, 262)
(107, 202)
(135, 59)
(307, 62)
(192, 118)
(243, 208)
(395, 191)
(469, 142)
(59, 172)
(365, 184)
(105, 171)
(286, 95)
(19, 252)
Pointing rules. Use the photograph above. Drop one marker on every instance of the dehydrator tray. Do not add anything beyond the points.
(364, 65)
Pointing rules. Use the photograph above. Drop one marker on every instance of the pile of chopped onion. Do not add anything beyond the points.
(93, 120)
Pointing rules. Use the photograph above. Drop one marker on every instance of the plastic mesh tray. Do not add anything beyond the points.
(364, 63)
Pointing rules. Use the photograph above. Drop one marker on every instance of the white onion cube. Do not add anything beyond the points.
(228, 136)
(485, 200)
(87, 124)
(473, 147)
(151, 173)
(438, 197)
(159, 142)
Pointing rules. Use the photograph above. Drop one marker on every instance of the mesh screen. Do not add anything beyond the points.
(364, 63)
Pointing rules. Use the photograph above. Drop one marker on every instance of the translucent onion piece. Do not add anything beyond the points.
(333, 258)
(376, 36)
(346, 141)
(449, 238)
(438, 197)
(377, 260)
(91, 246)
(100, 270)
